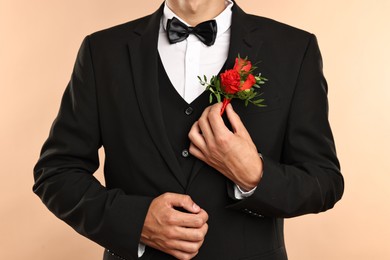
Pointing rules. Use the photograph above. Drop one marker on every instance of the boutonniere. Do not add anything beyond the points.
(238, 82)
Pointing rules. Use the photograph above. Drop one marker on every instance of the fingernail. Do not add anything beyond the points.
(195, 207)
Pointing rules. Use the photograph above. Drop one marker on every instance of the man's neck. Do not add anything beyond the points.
(194, 12)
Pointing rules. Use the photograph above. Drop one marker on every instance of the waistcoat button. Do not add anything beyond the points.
(185, 153)
(189, 111)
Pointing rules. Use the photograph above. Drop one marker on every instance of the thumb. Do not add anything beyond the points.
(185, 202)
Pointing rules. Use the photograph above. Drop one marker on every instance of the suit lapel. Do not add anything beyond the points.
(244, 41)
(144, 56)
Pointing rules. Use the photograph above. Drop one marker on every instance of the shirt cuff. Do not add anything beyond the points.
(240, 194)
(141, 250)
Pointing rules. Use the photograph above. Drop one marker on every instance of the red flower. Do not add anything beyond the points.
(238, 82)
(230, 81)
(249, 82)
(242, 65)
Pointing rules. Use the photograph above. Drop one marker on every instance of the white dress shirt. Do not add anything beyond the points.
(186, 60)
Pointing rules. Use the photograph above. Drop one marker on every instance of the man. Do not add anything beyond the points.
(182, 181)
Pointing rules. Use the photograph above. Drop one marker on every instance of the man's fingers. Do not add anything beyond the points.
(173, 231)
(195, 151)
(190, 234)
(196, 137)
(195, 218)
(170, 230)
(204, 126)
(181, 255)
(215, 120)
(188, 247)
(234, 119)
(178, 248)
(187, 220)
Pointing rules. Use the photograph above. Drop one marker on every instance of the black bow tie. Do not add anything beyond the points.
(178, 31)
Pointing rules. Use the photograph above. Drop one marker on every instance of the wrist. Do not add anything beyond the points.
(253, 180)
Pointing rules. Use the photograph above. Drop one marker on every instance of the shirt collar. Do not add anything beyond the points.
(224, 19)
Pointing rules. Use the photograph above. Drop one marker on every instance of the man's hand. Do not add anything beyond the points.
(175, 232)
(232, 153)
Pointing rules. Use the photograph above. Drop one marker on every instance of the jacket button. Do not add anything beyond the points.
(185, 153)
(189, 111)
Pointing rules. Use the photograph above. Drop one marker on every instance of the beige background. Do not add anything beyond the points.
(39, 40)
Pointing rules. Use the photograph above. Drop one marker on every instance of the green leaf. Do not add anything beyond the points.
(218, 97)
(257, 101)
(217, 85)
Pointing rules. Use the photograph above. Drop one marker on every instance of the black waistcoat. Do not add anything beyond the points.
(179, 116)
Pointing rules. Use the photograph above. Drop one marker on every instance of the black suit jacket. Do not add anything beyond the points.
(112, 101)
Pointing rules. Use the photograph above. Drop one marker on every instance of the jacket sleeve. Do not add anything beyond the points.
(307, 179)
(64, 173)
